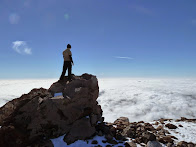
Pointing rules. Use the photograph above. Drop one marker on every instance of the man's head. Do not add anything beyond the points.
(68, 46)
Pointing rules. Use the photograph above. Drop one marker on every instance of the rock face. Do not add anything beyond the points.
(38, 116)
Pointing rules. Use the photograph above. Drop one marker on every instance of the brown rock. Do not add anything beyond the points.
(39, 115)
(191, 144)
(170, 145)
(153, 144)
(130, 144)
(168, 139)
(128, 132)
(93, 119)
(162, 121)
(171, 126)
(112, 141)
(81, 129)
(147, 136)
(121, 123)
(56, 88)
(160, 127)
(100, 133)
(182, 144)
(108, 137)
(94, 142)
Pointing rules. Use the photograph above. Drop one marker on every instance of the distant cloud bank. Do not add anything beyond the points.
(120, 57)
(21, 47)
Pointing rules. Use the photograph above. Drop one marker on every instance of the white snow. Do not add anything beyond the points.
(58, 142)
(77, 89)
(187, 132)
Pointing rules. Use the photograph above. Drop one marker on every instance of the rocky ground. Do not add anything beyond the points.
(154, 134)
(70, 109)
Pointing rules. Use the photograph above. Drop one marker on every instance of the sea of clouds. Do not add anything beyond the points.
(138, 98)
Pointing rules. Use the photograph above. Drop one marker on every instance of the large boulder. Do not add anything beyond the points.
(40, 115)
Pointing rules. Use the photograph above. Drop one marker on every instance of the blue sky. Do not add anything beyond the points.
(109, 38)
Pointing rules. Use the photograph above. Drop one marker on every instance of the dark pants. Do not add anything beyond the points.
(67, 64)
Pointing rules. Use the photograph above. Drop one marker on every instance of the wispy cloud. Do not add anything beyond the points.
(120, 57)
(14, 18)
(21, 47)
(140, 9)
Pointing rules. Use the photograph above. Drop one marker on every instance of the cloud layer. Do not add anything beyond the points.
(21, 47)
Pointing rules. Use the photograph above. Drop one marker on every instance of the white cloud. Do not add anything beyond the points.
(120, 57)
(14, 18)
(21, 47)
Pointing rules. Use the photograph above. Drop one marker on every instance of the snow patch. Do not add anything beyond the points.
(77, 89)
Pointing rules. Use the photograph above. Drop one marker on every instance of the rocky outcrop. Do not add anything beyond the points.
(40, 115)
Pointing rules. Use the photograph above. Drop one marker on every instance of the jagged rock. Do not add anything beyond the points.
(185, 119)
(166, 139)
(130, 144)
(81, 129)
(171, 126)
(182, 144)
(128, 132)
(170, 145)
(153, 144)
(112, 141)
(100, 133)
(94, 142)
(149, 127)
(185, 144)
(147, 136)
(108, 137)
(39, 116)
(160, 127)
(121, 123)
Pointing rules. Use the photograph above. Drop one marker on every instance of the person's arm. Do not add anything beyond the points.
(70, 58)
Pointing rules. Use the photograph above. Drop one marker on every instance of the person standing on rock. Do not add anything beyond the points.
(68, 62)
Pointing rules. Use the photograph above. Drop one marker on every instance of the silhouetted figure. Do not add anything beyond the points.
(67, 55)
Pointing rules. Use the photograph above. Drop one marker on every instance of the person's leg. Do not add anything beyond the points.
(69, 70)
(65, 65)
